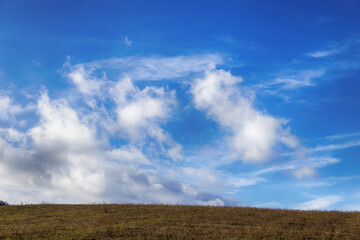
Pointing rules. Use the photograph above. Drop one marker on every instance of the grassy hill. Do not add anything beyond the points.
(172, 222)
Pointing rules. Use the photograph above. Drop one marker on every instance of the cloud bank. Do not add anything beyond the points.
(105, 140)
(108, 145)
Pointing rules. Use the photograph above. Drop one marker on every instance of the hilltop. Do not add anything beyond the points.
(117, 221)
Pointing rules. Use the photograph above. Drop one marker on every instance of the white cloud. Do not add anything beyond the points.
(253, 133)
(175, 152)
(152, 68)
(140, 110)
(298, 79)
(67, 163)
(69, 156)
(332, 68)
(138, 113)
(213, 180)
(128, 154)
(60, 125)
(351, 44)
(306, 161)
(321, 203)
(127, 41)
(320, 161)
(275, 168)
(62, 161)
(8, 109)
(13, 136)
(115, 147)
(300, 168)
(327, 181)
(324, 148)
(305, 171)
(216, 202)
(340, 136)
(320, 54)
(84, 81)
(331, 147)
(5, 107)
(268, 205)
(69, 145)
(243, 182)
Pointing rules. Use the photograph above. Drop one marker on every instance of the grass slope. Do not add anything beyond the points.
(172, 222)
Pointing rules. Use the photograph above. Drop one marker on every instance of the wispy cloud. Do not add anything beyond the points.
(345, 58)
(295, 80)
(327, 181)
(275, 168)
(307, 159)
(127, 41)
(341, 136)
(150, 68)
(305, 171)
(268, 205)
(350, 44)
(9, 109)
(320, 203)
(225, 38)
(321, 54)
(300, 168)
(243, 182)
(331, 147)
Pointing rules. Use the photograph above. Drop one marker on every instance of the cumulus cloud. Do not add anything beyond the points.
(128, 155)
(137, 113)
(139, 110)
(109, 143)
(62, 159)
(65, 162)
(254, 134)
(68, 155)
(84, 81)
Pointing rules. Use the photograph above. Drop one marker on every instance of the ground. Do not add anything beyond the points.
(117, 221)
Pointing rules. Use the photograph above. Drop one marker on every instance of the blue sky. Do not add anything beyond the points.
(183, 102)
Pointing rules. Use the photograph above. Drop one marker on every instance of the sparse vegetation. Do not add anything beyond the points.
(172, 222)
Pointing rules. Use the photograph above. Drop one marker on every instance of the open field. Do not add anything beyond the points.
(172, 222)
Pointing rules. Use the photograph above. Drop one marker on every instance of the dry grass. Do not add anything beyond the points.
(172, 222)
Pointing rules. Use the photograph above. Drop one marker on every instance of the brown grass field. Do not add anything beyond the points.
(105, 221)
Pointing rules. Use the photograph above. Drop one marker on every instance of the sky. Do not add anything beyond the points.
(239, 103)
